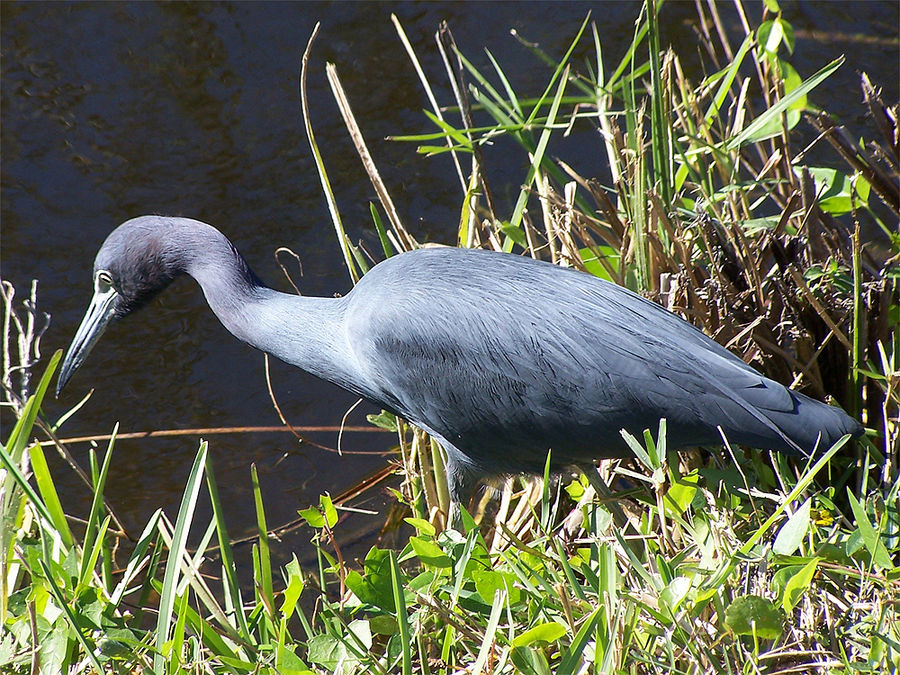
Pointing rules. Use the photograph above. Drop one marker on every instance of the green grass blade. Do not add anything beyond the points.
(507, 87)
(572, 657)
(386, 244)
(402, 618)
(49, 495)
(727, 79)
(561, 73)
(232, 584)
(722, 573)
(490, 630)
(264, 571)
(18, 437)
(136, 561)
(538, 156)
(177, 551)
(16, 476)
(783, 104)
(97, 504)
(869, 535)
(91, 555)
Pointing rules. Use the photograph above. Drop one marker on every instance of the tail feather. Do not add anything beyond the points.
(813, 423)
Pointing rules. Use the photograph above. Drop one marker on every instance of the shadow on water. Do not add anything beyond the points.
(112, 110)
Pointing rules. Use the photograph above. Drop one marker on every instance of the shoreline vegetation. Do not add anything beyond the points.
(713, 561)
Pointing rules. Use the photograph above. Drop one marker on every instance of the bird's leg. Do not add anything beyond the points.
(462, 483)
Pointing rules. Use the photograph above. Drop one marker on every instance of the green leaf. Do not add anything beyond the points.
(674, 593)
(681, 493)
(488, 582)
(838, 192)
(322, 515)
(753, 615)
(869, 535)
(294, 587)
(46, 487)
(543, 632)
(791, 534)
(530, 661)
(591, 260)
(517, 234)
(430, 553)
(383, 420)
(573, 655)
(331, 516)
(383, 624)
(375, 588)
(326, 651)
(770, 34)
(798, 584)
(422, 526)
(750, 132)
(176, 554)
(791, 80)
(399, 598)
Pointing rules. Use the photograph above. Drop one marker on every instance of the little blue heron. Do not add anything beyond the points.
(499, 357)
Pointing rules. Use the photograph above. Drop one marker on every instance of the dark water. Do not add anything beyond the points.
(112, 110)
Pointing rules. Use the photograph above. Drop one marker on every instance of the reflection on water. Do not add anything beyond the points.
(117, 109)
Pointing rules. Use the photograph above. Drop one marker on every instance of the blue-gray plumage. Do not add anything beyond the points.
(499, 357)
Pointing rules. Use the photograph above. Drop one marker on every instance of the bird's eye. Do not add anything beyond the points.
(104, 280)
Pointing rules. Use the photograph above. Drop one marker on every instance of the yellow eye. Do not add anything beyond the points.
(104, 279)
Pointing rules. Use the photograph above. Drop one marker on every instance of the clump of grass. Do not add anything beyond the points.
(725, 562)
(717, 576)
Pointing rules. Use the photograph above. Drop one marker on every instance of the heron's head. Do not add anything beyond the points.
(137, 260)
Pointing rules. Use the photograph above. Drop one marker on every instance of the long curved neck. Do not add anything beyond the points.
(302, 331)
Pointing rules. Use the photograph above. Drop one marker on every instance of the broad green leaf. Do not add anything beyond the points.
(838, 192)
(589, 257)
(422, 525)
(544, 632)
(798, 584)
(770, 34)
(294, 587)
(488, 582)
(791, 80)
(517, 234)
(674, 593)
(753, 615)
(326, 651)
(791, 534)
(375, 587)
(430, 553)
(383, 624)
(313, 517)
(331, 516)
(383, 420)
(681, 493)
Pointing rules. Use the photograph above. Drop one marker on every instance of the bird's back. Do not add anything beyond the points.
(503, 357)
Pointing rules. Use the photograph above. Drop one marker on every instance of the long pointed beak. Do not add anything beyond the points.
(98, 316)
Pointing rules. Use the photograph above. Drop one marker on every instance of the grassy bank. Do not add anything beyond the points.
(704, 562)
